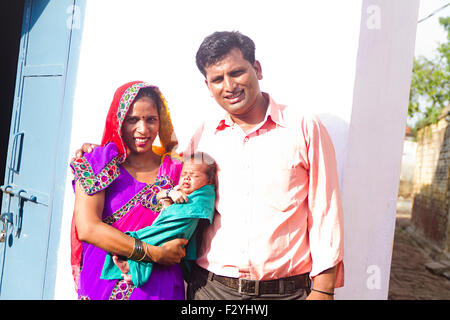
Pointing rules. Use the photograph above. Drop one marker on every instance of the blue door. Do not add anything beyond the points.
(32, 188)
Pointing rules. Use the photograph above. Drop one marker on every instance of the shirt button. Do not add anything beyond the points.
(246, 139)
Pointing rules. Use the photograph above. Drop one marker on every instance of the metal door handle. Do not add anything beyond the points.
(8, 189)
(14, 164)
(20, 201)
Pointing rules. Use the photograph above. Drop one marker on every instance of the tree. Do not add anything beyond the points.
(430, 84)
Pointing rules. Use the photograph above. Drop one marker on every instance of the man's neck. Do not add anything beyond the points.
(256, 115)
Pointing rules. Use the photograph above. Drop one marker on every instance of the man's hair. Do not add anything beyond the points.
(215, 46)
(200, 158)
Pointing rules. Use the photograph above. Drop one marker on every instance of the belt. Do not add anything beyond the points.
(287, 285)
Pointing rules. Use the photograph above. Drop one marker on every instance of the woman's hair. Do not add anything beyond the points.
(202, 157)
(152, 94)
(220, 43)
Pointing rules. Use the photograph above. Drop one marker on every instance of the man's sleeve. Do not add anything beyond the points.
(325, 222)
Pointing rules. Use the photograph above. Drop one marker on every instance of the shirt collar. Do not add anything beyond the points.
(274, 111)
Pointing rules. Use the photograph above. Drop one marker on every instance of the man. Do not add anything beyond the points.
(279, 218)
(279, 214)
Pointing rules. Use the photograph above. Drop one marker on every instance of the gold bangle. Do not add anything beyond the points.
(132, 251)
(144, 251)
(138, 250)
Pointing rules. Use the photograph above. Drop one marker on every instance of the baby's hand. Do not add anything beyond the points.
(124, 267)
(178, 196)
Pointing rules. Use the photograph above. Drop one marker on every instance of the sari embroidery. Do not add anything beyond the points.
(90, 182)
(127, 99)
(122, 291)
(146, 197)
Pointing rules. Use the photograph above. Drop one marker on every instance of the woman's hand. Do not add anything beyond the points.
(178, 196)
(169, 253)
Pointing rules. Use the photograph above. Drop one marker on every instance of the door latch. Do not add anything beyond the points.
(6, 218)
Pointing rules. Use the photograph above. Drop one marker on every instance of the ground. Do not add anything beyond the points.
(412, 274)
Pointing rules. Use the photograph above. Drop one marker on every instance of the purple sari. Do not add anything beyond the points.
(130, 205)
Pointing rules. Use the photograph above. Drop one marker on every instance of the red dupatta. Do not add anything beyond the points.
(122, 101)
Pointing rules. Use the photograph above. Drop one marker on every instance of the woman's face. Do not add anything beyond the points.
(141, 126)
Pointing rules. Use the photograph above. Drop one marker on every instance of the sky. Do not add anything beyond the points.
(430, 32)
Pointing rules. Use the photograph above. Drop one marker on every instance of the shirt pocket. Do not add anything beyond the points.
(282, 180)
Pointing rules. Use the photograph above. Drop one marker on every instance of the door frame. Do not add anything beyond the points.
(62, 155)
(75, 17)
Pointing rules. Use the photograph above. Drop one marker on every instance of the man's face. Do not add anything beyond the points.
(233, 82)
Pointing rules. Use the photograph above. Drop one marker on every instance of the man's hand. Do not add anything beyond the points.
(86, 147)
(324, 282)
(314, 295)
(170, 252)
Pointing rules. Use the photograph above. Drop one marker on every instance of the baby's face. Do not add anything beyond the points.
(193, 176)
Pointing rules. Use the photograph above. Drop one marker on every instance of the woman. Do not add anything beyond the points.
(115, 191)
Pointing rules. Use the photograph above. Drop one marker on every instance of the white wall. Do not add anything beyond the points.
(376, 135)
(308, 51)
(408, 160)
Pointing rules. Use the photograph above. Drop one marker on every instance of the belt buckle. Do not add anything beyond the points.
(255, 293)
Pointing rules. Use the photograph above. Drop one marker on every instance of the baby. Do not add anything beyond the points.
(192, 200)
(198, 171)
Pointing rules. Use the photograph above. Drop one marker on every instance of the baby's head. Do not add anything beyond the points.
(199, 169)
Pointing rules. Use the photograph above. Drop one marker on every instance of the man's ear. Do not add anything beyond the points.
(207, 85)
(258, 69)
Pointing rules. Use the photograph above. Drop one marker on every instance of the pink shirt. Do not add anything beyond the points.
(278, 204)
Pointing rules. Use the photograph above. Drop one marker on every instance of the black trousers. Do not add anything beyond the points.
(202, 287)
